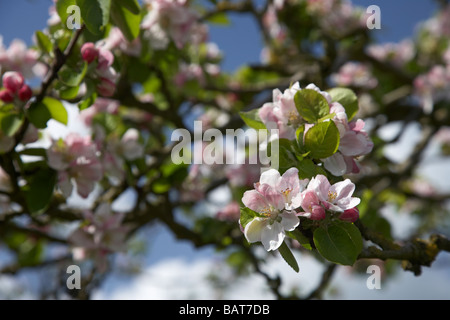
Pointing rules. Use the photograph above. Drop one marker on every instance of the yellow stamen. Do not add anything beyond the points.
(331, 195)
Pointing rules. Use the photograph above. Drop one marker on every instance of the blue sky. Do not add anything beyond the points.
(240, 41)
(241, 44)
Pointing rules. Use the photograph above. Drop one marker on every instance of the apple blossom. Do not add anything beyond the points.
(396, 53)
(116, 151)
(311, 204)
(354, 74)
(104, 74)
(17, 57)
(336, 197)
(354, 142)
(100, 105)
(288, 184)
(76, 160)
(172, 19)
(102, 234)
(230, 212)
(270, 227)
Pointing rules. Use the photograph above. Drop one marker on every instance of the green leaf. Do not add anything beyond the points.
(288, 256)
(219, 19)
(37, 152)
(347, 98)
(43, 42)
(132, 6)
(286, 157)
(340, 242)
(68, 93)
(322, 140)
(39, 190)
(72, 77)
(307, 169)
(50, 108)
(311, 105)
(252, 119)
(247, 215)
(303, 240)
(10, 123)
(95, 14)
(61, 9)
(127, 21)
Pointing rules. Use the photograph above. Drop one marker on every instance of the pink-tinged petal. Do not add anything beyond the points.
(105, 59)
(348, 203)
(357, 125)
(266, 113)
(336, 164)
(80, 238)
(290, 180)
(271, 177)
(289, 221)
(64, 183)
(256, 201)
(311, 205)
(296, 202)
(342, 189)
(253, 229)
(276, 94)
(84, 187)
(321, 186)
(272, 236)
(352, 165)
(273, 197)
(355, 144)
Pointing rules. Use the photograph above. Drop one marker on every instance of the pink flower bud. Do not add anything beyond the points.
(106, 87)
(89, 52)
(317, 213)
(105, 59)
(350, 215)
(13, 81)
(6, 96)
(25, 93)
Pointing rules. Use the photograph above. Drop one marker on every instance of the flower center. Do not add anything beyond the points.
(286, 192)
(293, 117)
(269, 212)
(332, 196)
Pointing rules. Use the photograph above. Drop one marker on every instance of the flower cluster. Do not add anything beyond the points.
(279, 200)
(14, 87)
(172, 20)
(433, 86)
(354, 74)
(104, 72)
(101, 234)
(76, 160)
(17, 57)
(354, 142)
(282, 114)
(337, 17)
(396, 53)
